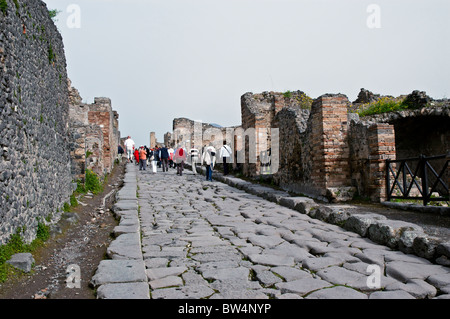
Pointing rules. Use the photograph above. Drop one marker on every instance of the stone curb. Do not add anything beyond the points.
(398, 235)
(124, 275)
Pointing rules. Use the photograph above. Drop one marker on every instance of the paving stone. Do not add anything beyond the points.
(288, 296)
(404, 271)
(227, 274)
(134, 290)
(415, 287)
(267, 278)
(126, 246)
(156, 262)
(240, 294)
(119, 271)
(120, 230)
(125, 205)
(158, 273)
(338, 292)
(343, 276)
(397, 294)
(265, 241)
(291, 274)
(315, 264)
(272, 260)
(169, 281)
(440, 281)
(302, 286)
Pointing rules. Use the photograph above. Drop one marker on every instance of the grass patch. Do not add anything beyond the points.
(3, 6)
(16, 245)
(383, 105)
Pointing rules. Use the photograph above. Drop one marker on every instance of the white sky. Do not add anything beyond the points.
(162, 59)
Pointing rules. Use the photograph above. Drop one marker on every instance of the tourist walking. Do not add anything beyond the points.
(171, 151)
(157, 156)
(142, 159)
(194, 160)
(153, 160)
(180, 158)
(164, 154)
(225, 154)
(129, 146)
(136, 156)
(209, 157)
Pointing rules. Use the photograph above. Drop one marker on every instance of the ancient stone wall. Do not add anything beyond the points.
(189, 133)
(371, 144)
(320, 154)
(101, 113)
(35, 174)
(94, 131)
(258, 112)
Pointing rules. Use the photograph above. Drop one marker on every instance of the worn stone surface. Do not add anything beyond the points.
(138, 290)
(209, 240)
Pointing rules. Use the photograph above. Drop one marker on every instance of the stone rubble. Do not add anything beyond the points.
(201, 239)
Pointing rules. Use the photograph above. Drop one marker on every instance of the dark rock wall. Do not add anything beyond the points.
(35, 174)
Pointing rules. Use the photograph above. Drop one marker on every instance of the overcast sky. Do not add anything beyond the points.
(162, 59)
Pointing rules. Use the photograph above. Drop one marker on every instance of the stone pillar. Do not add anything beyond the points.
(101, 113)
(381, 140)
(152, 139)
(330, 152)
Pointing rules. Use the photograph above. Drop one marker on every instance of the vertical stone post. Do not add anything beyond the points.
(330, 151)
(101, 113)
(381, 147)
(152, 139)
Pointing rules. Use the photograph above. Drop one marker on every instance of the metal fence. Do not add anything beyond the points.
(422, 178)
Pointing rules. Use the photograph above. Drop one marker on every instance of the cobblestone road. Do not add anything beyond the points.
(199, 239)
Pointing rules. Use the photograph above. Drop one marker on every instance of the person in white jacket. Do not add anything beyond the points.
(129, 146)
(194, 159)
(225, 154)
(209, 157)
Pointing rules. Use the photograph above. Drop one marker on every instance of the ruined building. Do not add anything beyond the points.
(321, 147)
(95, 135)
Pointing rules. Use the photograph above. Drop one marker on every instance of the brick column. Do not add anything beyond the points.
(330, 152)
(381, 147)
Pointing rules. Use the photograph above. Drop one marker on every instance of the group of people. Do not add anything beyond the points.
(176, 158)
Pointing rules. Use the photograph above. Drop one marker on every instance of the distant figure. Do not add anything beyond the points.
(164, 154)
(129, 146)
(180, 158)
(136, 156)
(171, 152)
(153, 159)
(209, 157)
(225, 154)
(120, 153)
(142, 159)
(157, 154)
(194, 160)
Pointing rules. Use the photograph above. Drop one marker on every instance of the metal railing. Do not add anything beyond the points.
(416, 178)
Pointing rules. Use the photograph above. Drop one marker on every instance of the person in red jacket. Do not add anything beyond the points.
(136, 155)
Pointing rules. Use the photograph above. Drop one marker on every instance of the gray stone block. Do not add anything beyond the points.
(338, 292)
(138, 290)
(360, 223)
(119, 271)
(302, 286)
(22, 261)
